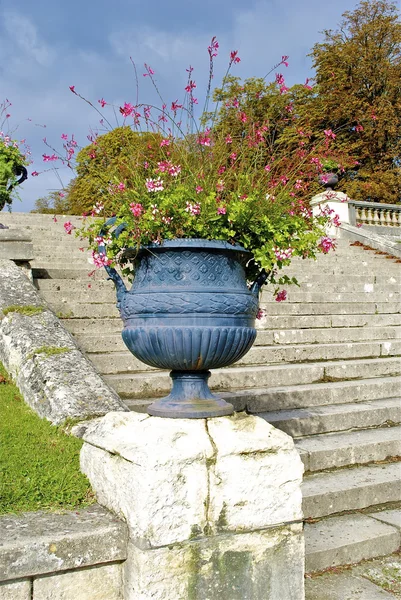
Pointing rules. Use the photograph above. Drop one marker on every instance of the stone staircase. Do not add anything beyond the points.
(325, 368)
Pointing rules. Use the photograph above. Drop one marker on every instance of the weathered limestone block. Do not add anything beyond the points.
(248, 452)
(152, 471)
(264, 565)
(16, 244)
(16, 590)
(99, 583)
(39, 543)
(213, 506)
(56, 386)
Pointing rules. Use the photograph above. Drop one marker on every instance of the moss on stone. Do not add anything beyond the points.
(27, 310)
(49, 351)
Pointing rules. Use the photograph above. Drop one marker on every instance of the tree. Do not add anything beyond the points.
(55, 203)
(358, 95)
(110, 160)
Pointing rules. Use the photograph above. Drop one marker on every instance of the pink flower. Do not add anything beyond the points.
(373, 116)
(136, 208)
(174, 170)
(281, 296)
(229, 139)
(199, 189)
(242, 116)
(72, 88)
(149, 71)
(281, 254)
(359, 224)
(261, 313)
(306, 84)
(102, 102)
(47, 158)
(34, 173)
(221, 170)
(194, 209)
(221, 210)
(358, 128)
(233, 155)
(326, 244)
(127, 109)
(267, 168)
(234, 58)
(329, 134)
(191, 85)
(55, 219)
(97, 209)
(165, 142)
(279, 79)
(121, 186)
(213, 48)
(64, 136)
(100, 260)
(154, 185)
(336, 221)
(204, 138)
(69, 227)
(175, 106)
(284, 60)
(220, 185)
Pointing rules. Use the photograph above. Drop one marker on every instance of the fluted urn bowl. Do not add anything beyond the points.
(189, 310)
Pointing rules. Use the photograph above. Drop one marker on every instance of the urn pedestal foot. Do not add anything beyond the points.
(190, 398)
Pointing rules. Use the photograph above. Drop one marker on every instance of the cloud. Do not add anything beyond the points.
(23, 35)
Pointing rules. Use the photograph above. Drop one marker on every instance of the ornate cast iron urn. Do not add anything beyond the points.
(189, 310)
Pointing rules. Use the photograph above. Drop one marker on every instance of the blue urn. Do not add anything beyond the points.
(189, 310)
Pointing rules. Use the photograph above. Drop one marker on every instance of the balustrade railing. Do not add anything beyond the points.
(374, 213)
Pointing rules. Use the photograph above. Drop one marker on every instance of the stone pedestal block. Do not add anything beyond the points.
(16, 590)
(16, 244)
(337, 202)
(213, 506)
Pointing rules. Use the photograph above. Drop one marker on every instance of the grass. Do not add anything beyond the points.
(39, 462)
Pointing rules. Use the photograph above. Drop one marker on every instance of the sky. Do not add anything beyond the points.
(48, 46)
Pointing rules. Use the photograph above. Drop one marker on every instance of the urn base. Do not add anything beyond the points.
(190, 398)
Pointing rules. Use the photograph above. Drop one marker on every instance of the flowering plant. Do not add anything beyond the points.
(217, 177)
(12, 160)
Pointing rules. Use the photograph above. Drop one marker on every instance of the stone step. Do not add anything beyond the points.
(115, 325)
(338, 417)
(329, 450)
(90, 310)
(158, 382)
(112, 342)
(355, 488)
(311, 395)
(107, 294)
(52, 272)
(108, 362)
(262, 399)
(350, 539)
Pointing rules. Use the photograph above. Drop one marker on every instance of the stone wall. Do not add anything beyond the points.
(42, 357)
(71, 556)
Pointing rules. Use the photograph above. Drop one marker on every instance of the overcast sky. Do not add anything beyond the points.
(47, 46)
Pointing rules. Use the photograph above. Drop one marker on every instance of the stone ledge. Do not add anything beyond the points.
(56, 386)
(39, 543)
(366, 236)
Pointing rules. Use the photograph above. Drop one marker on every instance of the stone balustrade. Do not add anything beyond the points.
(374, 213)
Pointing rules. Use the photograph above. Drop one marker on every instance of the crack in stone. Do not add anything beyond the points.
(210, 466)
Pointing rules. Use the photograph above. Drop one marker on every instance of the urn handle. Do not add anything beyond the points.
(111, 272)
(259, 281)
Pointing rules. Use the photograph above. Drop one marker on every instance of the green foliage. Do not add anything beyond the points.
(55, 203)
(11, 158)
(40, 464)
(118, 155)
